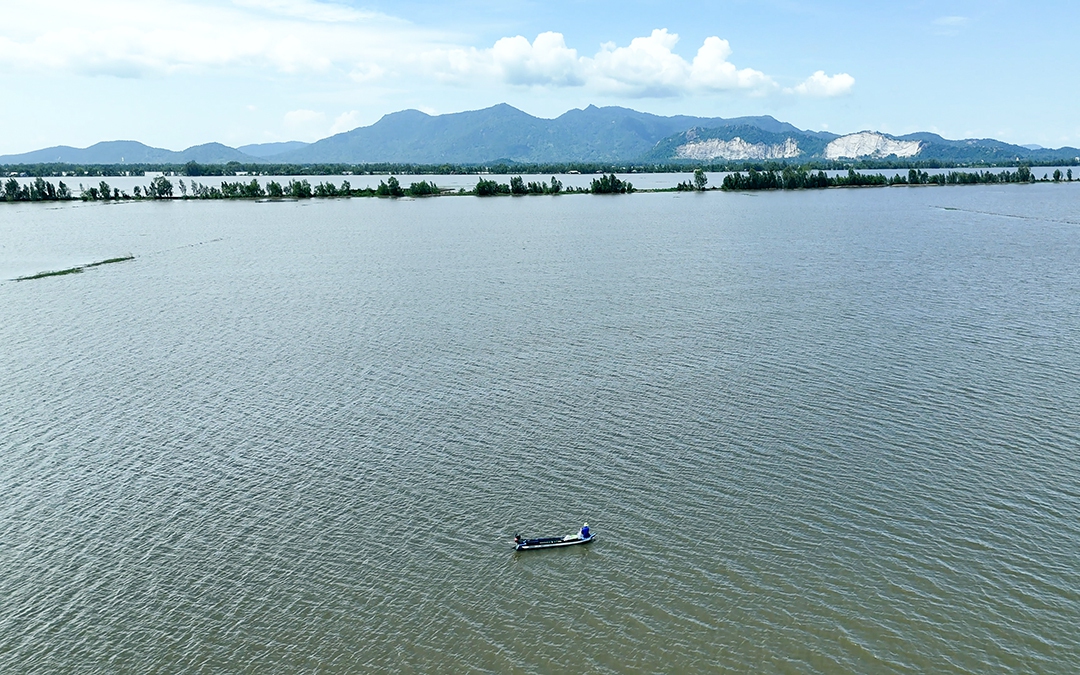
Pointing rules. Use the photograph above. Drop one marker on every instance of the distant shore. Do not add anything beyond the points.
(497, 168)
(789, 178)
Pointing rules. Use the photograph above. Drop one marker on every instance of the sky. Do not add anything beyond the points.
(177, 73)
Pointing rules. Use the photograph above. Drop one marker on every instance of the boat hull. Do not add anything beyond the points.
(552, 542)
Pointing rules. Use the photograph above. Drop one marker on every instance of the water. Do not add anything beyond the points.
(828, 431)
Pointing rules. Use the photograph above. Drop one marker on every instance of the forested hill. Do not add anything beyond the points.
(129, 152)
(500, 133)
(504, 134)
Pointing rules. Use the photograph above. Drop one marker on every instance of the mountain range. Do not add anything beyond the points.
(503, 133)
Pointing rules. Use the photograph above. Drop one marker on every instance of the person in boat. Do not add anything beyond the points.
(584, 534)
(517, 540)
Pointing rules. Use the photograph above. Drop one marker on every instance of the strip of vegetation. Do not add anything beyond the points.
(162, 188)
(110, 261)
(38, 191)
(700, 181)
(605, 185)
(75, 270)
(797, 179)
(58, 273)
(787, 178)
(302, 189)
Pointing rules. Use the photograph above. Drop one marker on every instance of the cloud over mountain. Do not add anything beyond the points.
(647, 67)
(821, 85)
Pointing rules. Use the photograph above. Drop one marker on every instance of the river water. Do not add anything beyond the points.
(815, 432)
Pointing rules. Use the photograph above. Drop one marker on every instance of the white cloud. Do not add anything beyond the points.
(512, 60)
(345, 122)
(821, 85)
(347, 47)
(305, 124)
(135, 38)
(366, 72)
(950, 21)
(648, 66)
(712, 70)
(309, 10)
(302, 117)
(547, 60)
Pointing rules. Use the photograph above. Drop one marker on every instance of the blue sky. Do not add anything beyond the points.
(182, 72)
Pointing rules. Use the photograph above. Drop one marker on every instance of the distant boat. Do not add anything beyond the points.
(553, 542)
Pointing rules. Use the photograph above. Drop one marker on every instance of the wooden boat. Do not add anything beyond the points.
(521, 544)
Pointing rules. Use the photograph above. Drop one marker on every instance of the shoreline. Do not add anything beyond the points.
(162, 189)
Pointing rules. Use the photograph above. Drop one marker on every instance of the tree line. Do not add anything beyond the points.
(791, 178)
(40, 190)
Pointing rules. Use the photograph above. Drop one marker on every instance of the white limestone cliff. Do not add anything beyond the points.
(870, 144)
(737, 148)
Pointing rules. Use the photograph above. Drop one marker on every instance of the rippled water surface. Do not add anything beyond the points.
(820, 432)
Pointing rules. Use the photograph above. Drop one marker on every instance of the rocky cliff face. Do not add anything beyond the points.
(737, 148)
(870, 144)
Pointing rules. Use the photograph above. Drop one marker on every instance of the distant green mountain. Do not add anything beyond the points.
(607, 135)
(271, 149)
(983, 150)
(129, 152)
(503, 132)
(212, 153)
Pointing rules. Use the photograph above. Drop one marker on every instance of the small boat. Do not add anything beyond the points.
(581, 537)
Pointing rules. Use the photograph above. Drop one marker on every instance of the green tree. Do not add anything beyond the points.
(609, 185)
(327, 189)
(42, 190)
(160, 188)
(1069, 174)
(273, 189)
(700, 179)
(391, 188)
(423, 189)
(517, 186)
(488, 188)
(1057, 175)
(299, 189)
